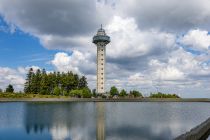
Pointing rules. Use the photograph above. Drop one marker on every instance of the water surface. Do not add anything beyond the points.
(89, 121)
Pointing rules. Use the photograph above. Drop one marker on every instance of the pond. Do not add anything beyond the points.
(91, 121)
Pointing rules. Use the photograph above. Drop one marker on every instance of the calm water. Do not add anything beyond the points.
(90, 121)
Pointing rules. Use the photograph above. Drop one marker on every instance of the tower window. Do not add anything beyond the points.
(102, 59)
(102, 50)
(101, 87)
(101, 54)
(101, 73)
(102, 69)
(101, 63)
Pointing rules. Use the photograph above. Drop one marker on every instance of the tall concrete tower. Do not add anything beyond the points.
(101, 40)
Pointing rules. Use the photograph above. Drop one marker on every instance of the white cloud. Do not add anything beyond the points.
(67, 43)
(129, 41)
(178, 65)
(11, 76)
(77, 62)
(15, 77)
(59, 132)
(197, 39)
(24, 70)
(169, 73)
(174, 16)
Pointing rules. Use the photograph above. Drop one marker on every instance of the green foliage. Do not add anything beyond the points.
(27, 86)
(40, 82)
(82, 82)
(135, 93)
(114, 91)
(13, 95)
(10, 89)
(36, 82)
(24, 95)
(65, 93)
(57, 91)
(86, 93)
(162, 95)
(123, 93)
(81, 93)
(44, 83)
(76, 93)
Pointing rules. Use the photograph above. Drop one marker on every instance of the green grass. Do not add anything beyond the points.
(22, 95)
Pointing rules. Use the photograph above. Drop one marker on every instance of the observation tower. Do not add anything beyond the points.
(101, 40)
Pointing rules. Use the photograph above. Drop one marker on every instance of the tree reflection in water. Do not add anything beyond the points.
(63, 121)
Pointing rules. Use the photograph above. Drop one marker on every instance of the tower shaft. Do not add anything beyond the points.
(101, 63)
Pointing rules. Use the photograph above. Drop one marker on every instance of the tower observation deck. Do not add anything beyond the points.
(101, 40)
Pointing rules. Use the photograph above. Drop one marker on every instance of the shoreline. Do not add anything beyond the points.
(104, 100)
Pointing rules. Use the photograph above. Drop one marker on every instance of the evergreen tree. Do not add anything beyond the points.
(51, 82)
(36, 82)
(69, 81)
(82, 82)
(10, 89)
(44, 84)
(58, 79)
(76, 81)
(27, 86)
(40, 82)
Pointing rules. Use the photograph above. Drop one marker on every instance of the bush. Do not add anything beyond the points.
(65, 93)
(123, 93)
(81, 93)
(135, 93)
(76, 93)
(86, 93)
(114, 91)
(162, 95)
(57, 91)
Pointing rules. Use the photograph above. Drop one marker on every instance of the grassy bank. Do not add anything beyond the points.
(22, 95)
(53, 98)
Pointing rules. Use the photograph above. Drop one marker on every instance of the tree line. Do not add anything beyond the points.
(40, 82)
(114, 92)
(162, 95)
(55, 83)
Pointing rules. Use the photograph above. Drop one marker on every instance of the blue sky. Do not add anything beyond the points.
(154, 46)
(21, 49)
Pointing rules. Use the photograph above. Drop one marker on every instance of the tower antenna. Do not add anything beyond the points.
(101, 26)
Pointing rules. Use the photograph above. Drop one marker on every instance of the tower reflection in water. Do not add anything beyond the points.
(100, 125)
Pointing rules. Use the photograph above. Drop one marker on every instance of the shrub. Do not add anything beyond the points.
(57, 91)
(136, 93)
(123, 93)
